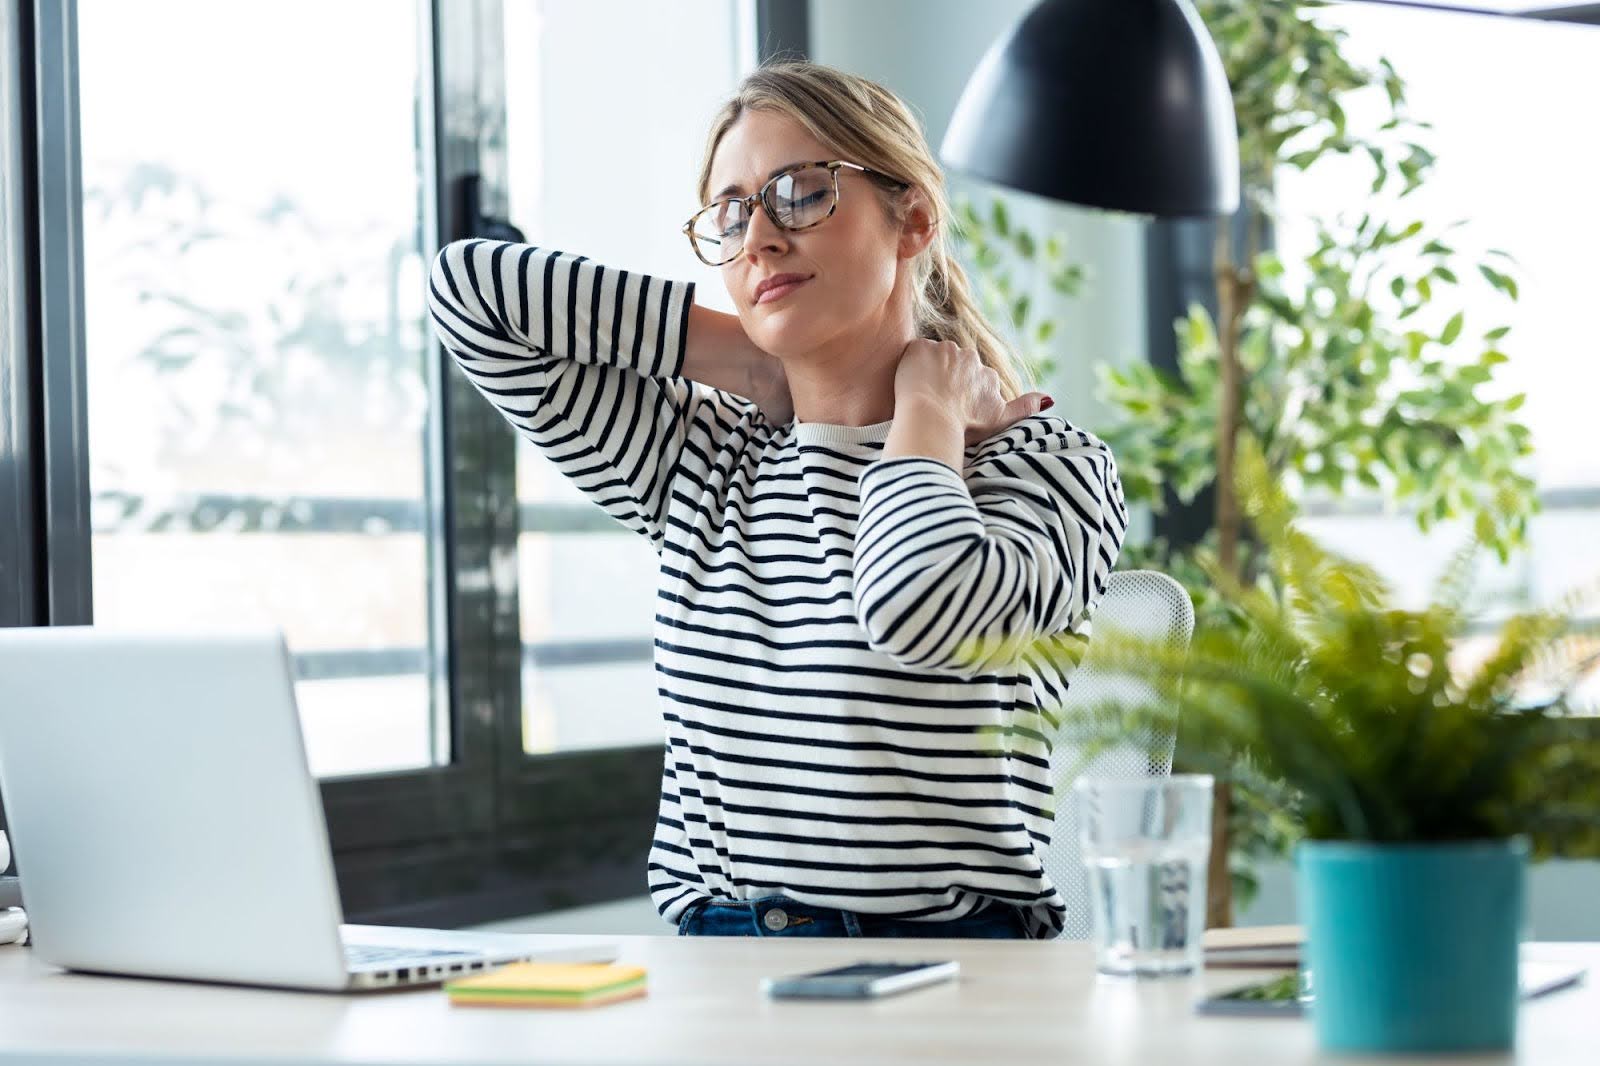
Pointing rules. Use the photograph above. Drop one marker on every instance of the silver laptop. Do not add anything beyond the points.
(166, 823)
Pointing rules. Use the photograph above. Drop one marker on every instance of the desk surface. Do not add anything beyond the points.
(1016, 1002)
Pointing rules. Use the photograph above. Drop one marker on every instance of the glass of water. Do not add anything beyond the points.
(1146, 841)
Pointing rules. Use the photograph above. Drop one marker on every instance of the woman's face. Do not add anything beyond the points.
(849, 261)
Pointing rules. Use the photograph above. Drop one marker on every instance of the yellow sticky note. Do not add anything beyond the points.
(549, 984)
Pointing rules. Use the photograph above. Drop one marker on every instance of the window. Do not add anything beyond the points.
(609, 174)
(1510, 103)
(258, 408)
(260, 429)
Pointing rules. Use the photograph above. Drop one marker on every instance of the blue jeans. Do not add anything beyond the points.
(781, 916)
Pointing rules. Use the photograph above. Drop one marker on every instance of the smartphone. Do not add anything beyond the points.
(1290, 996)
(1281, 997)
(862, 980)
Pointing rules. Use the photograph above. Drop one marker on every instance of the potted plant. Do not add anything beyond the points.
(1423, 785)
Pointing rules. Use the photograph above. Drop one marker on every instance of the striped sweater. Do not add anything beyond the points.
(857, 702)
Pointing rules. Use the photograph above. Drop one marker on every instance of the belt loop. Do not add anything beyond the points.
(852, 924)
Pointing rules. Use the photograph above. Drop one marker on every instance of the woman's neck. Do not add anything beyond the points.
(849, 381)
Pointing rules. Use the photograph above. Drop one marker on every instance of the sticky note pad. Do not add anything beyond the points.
(548, 984)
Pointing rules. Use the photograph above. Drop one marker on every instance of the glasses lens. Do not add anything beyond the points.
(719, 230)
(803, 198)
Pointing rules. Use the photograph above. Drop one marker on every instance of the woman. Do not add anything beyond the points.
(854, 565)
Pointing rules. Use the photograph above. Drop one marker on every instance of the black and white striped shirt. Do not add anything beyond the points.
(848, 719)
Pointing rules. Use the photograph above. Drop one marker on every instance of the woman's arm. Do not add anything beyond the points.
(585, 361)
(963, 572)
(718, 353)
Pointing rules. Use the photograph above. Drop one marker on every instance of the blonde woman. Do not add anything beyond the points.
(861, 516)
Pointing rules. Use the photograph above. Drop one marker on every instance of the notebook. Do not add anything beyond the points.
(1271, 946)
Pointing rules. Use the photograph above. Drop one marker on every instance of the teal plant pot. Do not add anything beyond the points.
(1413, 947)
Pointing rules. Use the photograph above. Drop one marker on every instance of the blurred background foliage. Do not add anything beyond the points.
(1006, 258)
(1362, 367)
(1331, 696)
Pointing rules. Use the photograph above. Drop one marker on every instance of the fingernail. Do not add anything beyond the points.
(1048, 402)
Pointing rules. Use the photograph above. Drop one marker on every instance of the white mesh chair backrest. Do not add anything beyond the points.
(1147, 605)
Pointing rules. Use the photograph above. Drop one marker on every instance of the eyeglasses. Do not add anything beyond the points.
(803, 196)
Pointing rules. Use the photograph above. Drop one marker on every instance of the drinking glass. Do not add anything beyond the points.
(1146, 841)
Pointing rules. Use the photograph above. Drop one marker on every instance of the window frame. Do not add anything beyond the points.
(44, 552)
(44, 518)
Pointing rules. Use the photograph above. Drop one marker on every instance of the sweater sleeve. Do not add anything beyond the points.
(962, 573)
(584, 360)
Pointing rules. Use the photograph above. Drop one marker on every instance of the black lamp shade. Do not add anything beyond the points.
(1120, 104)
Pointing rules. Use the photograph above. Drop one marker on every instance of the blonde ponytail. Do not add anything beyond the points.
(947, 310)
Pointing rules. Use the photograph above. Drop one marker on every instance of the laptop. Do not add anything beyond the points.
(166, 822)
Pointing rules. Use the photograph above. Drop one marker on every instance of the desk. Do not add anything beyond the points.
(1015, 1003)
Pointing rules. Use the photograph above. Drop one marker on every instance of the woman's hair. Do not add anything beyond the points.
(869, 125)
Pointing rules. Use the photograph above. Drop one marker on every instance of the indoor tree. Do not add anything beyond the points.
(1358, 365)
(1331, 365)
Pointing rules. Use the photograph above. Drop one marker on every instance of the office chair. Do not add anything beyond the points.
(1145, 605)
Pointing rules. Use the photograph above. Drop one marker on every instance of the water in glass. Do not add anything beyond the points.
(1146, 842)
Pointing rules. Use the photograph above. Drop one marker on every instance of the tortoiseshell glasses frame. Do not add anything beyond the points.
(833, 166)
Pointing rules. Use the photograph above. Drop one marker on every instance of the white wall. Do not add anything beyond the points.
(609, 102)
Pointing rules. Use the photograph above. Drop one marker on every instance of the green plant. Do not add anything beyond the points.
(1364, 365)
(1362, 709)
(1358, 365)
(1318, 365)
(1325, 365)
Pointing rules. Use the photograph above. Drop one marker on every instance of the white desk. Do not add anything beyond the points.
(1016, 1002)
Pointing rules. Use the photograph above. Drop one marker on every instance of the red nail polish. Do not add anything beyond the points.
(1048, 402)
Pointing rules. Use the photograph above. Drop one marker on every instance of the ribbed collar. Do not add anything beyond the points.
(828, 433)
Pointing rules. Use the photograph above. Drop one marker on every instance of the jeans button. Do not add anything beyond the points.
(777, 919)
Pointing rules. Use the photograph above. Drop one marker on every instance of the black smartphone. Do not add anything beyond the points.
(1280, 997)
(1289, 996)
(862, 980)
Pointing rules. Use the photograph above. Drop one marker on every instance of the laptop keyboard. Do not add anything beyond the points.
(368, 954)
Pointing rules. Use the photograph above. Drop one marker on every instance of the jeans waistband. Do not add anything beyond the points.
(780, 915)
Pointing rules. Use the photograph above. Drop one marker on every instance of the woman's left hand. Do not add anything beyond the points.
(956, 381)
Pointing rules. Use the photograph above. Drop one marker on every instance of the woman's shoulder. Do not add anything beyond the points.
(728, 430)
(1041, 434)
(1045, 456)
